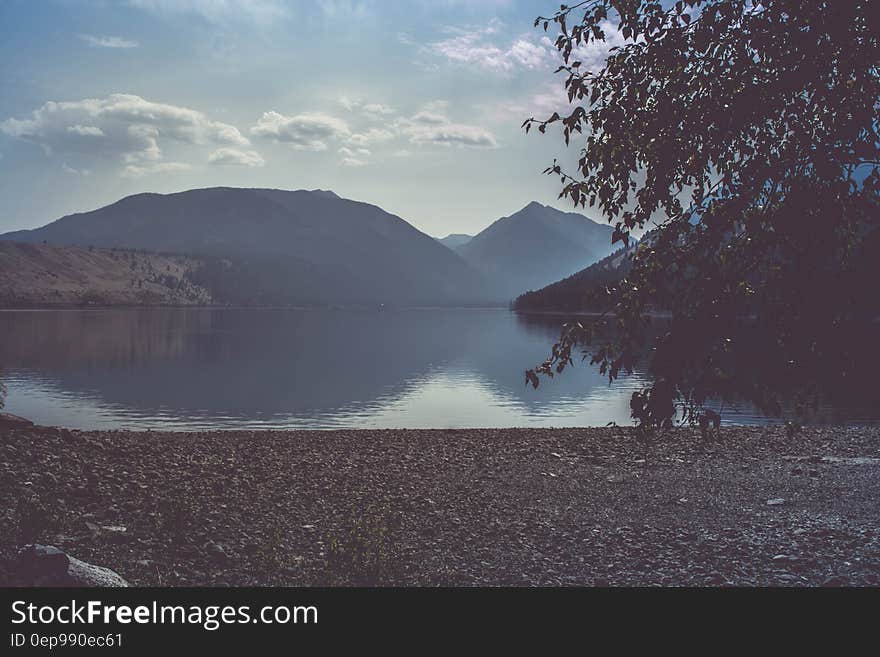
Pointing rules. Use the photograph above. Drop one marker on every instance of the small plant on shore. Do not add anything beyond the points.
(271, 557)
(365, 555)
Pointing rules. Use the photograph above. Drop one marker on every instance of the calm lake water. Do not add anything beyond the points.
(246, 368)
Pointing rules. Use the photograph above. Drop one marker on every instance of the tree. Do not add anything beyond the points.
(745, 136)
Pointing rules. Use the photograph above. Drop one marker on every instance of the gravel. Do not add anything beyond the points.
(543, 507)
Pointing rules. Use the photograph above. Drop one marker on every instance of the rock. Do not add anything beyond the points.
(717, 579)
(601, 581)
(837, 580)
(216, 552)
(776, 501)
(110, 533)
(86, 574)
(46, 565)
(785, 559)
(9, 421)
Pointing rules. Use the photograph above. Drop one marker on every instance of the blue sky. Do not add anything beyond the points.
(415, 106)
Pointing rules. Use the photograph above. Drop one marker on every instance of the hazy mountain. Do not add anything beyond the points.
(279, 247)
(534, 247)
(455, 240)
(574, 292)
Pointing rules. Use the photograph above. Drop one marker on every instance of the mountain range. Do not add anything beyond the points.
(534, 247)
(276, 247)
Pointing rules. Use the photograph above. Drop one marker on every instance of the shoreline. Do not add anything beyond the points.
(576, 506)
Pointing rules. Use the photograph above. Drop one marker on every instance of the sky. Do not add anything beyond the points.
(415, 106)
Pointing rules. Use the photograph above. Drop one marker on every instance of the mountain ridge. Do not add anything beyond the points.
(290, 247)
(534, 247)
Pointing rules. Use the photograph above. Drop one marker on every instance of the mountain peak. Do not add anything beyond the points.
(328, 193)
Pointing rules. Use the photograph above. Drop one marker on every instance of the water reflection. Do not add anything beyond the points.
(229, 368)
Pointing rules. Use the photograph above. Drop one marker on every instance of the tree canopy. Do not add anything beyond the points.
(744, 136)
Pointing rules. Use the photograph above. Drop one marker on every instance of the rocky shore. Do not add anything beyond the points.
(466, 507)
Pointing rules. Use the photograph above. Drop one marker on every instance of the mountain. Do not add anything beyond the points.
(269, 246)
(455, 240)
(534, 247)
(40, 275)
(575, 292)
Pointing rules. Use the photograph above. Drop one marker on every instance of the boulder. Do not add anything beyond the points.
(45, 565)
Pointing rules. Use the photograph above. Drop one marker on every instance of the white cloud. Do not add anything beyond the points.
(429, 118)
(348, 152)
(432, 126)
(348, 103)
(140, 170)
(108, 41)
(76, 172)
(237, 157)
(478, 47)
(371, 136)
(220, 11)
(304, 131)
(372, 110)
(354, 157)
(593, 55)
(353, 162)
(552, 98)
(120, 125)
(378, 109)
(85, 130)
(453, 134)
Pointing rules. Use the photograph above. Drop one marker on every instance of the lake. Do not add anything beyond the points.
(193, 369)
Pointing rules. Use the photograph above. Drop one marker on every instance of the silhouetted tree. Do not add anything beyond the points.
(744, 134)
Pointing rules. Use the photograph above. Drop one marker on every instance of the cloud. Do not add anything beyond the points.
(478, 47)
(593, 55)
(378, 109)
(108, 41)
(85, 130)
(552, 98)
(431, 126)
(354, 157)
(348, 103)
(348, 152)
(452, 134)
(76, 172)
(121, 125)
(234, 156)
(140, 170)
(371, 136)
(304, 131)
(429, 118)
(262, 12)
(372, 110)
(353, 162)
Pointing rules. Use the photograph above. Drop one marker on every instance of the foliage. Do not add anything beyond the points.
(746, 134)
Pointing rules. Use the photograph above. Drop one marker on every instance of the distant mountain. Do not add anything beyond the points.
(534, 247)
(455, 240)
(40, 275)
(271, 246)
(578, 292)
